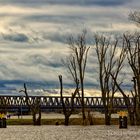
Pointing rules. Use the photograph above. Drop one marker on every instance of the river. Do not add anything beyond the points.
(49, 132)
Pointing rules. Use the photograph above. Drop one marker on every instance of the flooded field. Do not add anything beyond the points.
(47, 132)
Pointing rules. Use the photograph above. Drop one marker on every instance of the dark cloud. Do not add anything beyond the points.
(13, 84)
(54, 18)
(55, 37)
(89, 2)
(54, 64)
(17, 37)
(67, 2)
(53, 61)
(108, 2)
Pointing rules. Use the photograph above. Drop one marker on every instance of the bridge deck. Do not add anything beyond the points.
(54, 102)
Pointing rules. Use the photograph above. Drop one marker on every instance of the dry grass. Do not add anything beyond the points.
(73, 121)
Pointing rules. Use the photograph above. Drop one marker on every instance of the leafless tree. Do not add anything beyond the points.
(34, 107)
(132, 44)
(76, 63)
(67, 108)
(130, 107)
(135, 17)
(109, 63)
(133, 55)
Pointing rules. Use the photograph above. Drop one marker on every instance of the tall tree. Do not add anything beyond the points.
(77, 63)
(109, 62)
(132, 45)
(35, 107)
(68, 108)
(133, 55)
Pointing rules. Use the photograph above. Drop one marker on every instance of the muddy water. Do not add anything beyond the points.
(69, 133)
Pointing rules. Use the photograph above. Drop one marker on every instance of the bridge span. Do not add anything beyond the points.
(14, 103)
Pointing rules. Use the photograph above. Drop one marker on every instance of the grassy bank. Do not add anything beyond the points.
(73, 121)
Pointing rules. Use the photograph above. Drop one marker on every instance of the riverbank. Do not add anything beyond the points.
(52, 118)
(60, 121)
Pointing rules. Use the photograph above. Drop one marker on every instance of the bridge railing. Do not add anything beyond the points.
(55, 101)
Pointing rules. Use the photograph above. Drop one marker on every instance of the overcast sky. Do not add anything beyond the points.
(33, 35)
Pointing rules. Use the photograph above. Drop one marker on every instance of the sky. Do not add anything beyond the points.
(33, 37)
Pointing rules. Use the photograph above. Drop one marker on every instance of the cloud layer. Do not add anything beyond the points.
(33, 35)
(69, 2)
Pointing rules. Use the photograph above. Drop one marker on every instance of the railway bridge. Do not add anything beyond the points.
(16, 103)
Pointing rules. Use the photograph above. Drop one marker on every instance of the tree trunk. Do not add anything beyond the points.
(34, 118)
(138, 116)
(39, 118)
(90, 118)
(107, 118)
(67, 120)
(82, 90)
(137, 111)
(132, 118)
(83, 107)
(37, 121)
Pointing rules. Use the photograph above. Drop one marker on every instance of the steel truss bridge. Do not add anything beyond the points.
(18, 103)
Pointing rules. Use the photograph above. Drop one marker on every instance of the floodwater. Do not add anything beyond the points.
(49, 132)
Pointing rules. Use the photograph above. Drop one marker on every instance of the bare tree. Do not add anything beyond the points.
(35, 107)
(132, 44)
(77, 63)
(130, 107)
(133, 55)
(109, 63)
(67, 108)
(135, 17)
